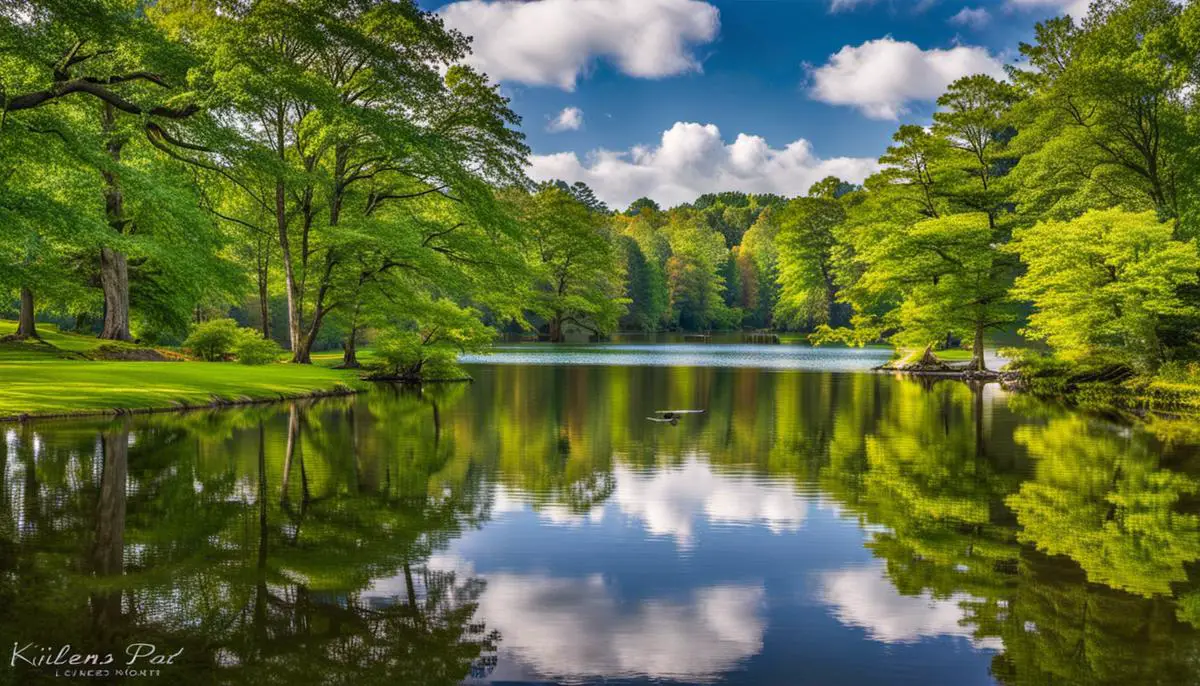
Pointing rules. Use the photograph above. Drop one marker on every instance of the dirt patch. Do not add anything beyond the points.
(119, 353)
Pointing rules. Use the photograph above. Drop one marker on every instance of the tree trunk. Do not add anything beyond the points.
(264, 298)
(977, 353)
(295, 336)
(350, 350)
(114, 269)
(556, 326)
(26, 327)
(303, 353)
(114, 279)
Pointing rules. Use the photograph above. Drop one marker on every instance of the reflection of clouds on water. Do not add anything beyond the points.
(505, 501)
(576, 627)
(863, 597)
(669, 500)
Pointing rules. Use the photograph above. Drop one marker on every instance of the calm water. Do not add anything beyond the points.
(813, 527)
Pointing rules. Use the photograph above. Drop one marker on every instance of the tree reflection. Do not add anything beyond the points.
(292, 544)
(185, 532)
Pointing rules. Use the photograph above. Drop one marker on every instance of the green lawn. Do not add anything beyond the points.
(55, 379)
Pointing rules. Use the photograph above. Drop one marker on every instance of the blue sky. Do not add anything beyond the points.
(672, 98)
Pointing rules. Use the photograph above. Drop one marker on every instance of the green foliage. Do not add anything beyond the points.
(1102, 283)
(251, 348)
(695, 281)
(575, 265)
(426, 348)
(805, 242)
(212, 341)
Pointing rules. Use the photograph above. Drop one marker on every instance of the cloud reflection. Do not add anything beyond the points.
(671, 501)
(576, 627)
(863, 597)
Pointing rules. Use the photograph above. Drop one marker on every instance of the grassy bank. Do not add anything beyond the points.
(57, 377)
(1111, 387)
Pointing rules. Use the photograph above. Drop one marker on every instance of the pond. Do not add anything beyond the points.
(811, 527)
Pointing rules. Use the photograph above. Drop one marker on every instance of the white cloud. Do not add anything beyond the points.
(692, 159)
(863, 597)
(847, 5)
(1078, 9)
(972, 17)
(570, 119)
(882, 76)
(553, 42)
(669, 502)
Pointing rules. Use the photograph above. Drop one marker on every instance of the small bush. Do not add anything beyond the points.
(252, 349)
(404, 357)
(212, 340)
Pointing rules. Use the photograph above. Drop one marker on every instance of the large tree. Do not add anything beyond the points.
(343, 111)
(576, 267)
(129, 85)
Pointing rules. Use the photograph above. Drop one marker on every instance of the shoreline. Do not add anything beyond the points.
(215, 404)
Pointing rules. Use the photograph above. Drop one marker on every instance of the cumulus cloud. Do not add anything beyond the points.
(692, 159)
(570, 119)
(971, 17)
(553, 42)
(863, 597)
(882, 76)
(670, 502)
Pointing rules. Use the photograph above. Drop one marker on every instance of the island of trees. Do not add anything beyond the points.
(338, 177)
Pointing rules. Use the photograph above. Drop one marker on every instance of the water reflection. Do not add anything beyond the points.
(532, 526)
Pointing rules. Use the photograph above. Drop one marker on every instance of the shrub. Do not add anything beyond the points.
(251, 348)
(404, 357)
(212, 340)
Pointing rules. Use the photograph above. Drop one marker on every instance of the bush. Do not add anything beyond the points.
(212, 340)
(251, 348)
(404, 357)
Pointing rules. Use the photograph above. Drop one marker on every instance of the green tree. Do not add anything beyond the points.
(808, 292)
(1104, 282)
(1104, 124)
(575, 263)
(338, 116)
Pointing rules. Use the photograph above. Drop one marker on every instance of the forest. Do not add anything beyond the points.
(244, 178)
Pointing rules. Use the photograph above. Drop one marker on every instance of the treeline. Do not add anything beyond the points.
(1061, 201)
(337, 175)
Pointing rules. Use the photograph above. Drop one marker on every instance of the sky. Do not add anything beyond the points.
(671, 99)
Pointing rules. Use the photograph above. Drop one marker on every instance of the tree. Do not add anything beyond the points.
(974, 123)
(1104, 124)
(645, 289)
(344, 112)
(951, 277)
(575, 265)
(1104, 282)
(758, 259)
(805, 242)
(693, 271)
(637, 206)
(106, 59)
(584, 194)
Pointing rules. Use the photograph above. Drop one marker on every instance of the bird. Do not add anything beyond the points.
(673, 415)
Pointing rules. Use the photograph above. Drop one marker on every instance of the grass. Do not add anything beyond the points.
(332, 358)
(906, 356)
(56, 378)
